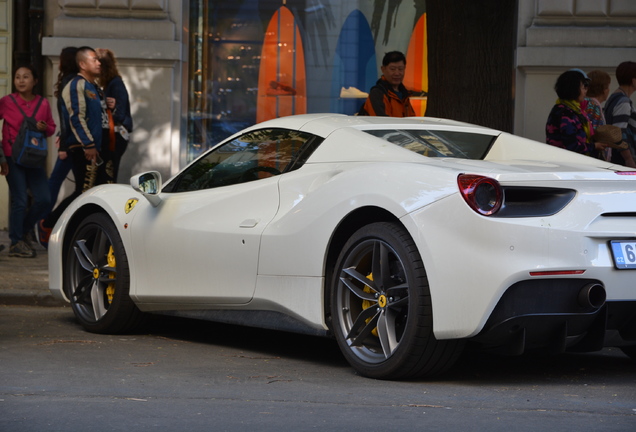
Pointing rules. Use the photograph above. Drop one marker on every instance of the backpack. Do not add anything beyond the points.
(30, 147)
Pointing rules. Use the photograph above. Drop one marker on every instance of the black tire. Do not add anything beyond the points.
(381, 307)
(97, 278)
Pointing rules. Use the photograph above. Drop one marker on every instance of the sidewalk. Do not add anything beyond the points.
(25, 281)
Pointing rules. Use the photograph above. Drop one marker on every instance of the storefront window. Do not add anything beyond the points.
(254, 60)
(225, 50)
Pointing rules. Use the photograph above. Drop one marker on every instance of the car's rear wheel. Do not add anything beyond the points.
(97, 278)
(381, 307)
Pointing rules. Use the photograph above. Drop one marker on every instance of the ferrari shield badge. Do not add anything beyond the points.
(130, 204)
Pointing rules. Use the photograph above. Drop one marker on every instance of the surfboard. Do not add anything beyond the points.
(416, 74)
(354, 64)
(282, 77)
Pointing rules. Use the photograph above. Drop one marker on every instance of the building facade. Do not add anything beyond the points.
(198, 70)
(555, 35)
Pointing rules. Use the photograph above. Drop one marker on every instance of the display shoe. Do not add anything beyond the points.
(352, 93)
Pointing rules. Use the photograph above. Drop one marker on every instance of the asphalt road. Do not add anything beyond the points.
(183, 375)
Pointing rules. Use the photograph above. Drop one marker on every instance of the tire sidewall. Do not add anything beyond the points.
(419, 316)
(122, 304)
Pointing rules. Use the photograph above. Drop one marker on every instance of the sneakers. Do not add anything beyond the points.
(29, 240)
(352, 93)
(43, 234)
(21, 250)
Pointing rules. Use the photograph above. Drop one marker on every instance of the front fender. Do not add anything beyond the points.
(118, 201)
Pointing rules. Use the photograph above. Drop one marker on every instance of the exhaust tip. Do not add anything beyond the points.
(592, 295)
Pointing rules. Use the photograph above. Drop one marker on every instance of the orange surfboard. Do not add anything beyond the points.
(281, 78)
(416, 74)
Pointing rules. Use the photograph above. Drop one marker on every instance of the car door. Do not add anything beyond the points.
(201, 243)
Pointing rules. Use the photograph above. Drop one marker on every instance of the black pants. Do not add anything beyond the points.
(86, 176)
(112, 158)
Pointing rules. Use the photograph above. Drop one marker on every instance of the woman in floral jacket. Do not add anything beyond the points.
(568, 127)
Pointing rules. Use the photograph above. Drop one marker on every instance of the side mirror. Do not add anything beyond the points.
(148, 184)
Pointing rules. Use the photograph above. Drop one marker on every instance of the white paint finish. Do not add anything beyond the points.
(190, 252)
(192, 247)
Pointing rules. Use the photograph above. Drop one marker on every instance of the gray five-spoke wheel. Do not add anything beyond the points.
(373, 300)
(380, 307)
(93, 274)
(97, 277)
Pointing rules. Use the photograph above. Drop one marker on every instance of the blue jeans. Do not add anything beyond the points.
(58, 175)
(21, 180)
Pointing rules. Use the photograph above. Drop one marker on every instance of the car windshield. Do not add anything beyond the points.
(448, 144)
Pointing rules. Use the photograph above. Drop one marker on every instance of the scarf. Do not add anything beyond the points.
(576, 107)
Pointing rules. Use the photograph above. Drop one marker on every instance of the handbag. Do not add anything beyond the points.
(30, 147)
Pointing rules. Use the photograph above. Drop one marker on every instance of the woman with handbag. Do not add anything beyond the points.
(115, 138)
(21, 179)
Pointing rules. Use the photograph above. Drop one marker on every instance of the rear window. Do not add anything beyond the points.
(448, 144)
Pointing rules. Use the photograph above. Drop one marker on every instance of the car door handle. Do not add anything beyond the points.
(249, 223)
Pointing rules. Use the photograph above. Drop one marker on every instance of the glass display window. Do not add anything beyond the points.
(254, 60)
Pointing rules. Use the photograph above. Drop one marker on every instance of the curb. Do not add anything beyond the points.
(29, 298)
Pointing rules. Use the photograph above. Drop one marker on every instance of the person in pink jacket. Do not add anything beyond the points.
(21, 180)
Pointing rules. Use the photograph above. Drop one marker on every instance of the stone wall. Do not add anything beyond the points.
(556, 35)
(145, 36)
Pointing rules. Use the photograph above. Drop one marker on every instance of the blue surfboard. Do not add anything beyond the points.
(354, 63)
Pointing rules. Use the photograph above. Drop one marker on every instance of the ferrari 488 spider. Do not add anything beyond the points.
(404, 239)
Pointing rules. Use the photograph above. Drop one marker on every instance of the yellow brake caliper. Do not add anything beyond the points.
(368, 303)
(110, 288)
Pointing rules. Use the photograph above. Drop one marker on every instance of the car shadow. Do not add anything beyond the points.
(263, 341)
(474, 367)
(610, 364)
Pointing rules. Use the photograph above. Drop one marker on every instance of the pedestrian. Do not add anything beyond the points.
(567, 126)
(597, 93)
(619, 111)
(120, 118)
(66, 71)
(389, 97)
(84, 111)
(21, 179)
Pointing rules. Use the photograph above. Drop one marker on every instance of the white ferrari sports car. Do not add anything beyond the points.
(404, 239)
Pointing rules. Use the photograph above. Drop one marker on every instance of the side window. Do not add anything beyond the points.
(253, 156)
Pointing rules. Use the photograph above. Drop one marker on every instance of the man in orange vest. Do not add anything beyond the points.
(389, 97)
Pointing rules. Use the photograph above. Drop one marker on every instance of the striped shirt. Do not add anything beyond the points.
(620, 112)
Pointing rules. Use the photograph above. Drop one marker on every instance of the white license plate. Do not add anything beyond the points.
(624, 253)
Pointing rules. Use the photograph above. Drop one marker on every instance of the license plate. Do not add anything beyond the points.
(624, 253)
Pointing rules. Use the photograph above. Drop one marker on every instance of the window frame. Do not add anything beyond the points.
(297, 160)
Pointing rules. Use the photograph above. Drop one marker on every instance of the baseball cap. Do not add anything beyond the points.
(585, 77)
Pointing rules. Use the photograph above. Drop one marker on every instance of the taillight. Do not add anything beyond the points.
(625, 172)
(482, 194)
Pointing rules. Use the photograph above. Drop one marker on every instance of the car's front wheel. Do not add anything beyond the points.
(97, 278)
(381, 307)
